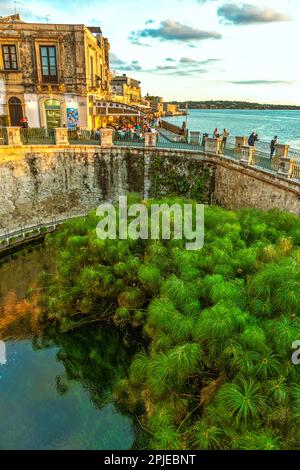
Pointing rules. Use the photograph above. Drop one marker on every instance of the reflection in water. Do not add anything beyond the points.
(56, 390)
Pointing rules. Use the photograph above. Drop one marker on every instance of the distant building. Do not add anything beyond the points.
(172, 109)
(126, 89)
(157, 104)
(52, 73)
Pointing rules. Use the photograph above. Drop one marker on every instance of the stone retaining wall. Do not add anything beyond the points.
(41, 184)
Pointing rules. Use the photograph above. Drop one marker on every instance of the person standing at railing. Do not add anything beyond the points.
(252, 139)
(224, 138)
(273, 145)
(216, 133)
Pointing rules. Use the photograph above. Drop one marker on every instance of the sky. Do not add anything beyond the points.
(192, 49)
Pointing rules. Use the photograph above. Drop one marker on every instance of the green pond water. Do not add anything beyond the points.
(56, 391)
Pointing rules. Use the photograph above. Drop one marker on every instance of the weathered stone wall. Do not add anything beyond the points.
(43, 184)
(237, 187)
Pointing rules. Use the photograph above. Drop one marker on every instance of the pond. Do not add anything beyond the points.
(56, 391)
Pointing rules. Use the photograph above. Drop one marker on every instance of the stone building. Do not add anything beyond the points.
(126, 89)
(157, 105)
(52, 73)
(171, 109)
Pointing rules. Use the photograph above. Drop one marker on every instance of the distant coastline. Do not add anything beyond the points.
(232, 105)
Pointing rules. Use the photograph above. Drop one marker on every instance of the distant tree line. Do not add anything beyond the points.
(231, 105)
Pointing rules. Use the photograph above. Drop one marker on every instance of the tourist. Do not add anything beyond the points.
(24, 123)
(224, 138)
(252, 139)
(216, 133)
(182, 131)
(274, 143)
(204, 138)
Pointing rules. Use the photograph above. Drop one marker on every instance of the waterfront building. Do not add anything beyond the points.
(53, 74)
(126, 90)
(157, 105)
(171, 109)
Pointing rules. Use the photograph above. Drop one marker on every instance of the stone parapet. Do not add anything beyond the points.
(61, 136)
(13, 136)
(240, 141)
(150, 139)
(106, 137)
(247, 155)
(213, 145)
(282, 150)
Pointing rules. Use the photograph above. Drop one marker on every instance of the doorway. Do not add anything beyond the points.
(15, 111)
(52, 111)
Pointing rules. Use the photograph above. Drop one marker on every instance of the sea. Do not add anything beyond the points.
(267, 123)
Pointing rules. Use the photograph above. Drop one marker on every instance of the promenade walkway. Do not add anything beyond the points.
(167, 139)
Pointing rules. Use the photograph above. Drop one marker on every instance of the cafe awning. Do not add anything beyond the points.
(112, 108)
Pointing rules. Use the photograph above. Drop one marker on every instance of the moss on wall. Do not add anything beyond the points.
(174, 175)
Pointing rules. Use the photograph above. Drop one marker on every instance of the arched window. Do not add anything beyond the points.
(15, 111)
(52, 111)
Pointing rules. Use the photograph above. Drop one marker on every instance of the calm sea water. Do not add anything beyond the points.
(56, 392)
(285, 124)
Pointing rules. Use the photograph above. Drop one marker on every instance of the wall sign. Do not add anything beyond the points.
(72, 118)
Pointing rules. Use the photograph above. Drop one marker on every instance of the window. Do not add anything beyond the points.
(48, 64)
(10, 57)
(92, 71)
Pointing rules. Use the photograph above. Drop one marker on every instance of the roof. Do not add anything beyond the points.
(11, 19)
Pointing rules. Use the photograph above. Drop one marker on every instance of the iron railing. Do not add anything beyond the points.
(168, 126)
(37, 136)
(84, 137)
(2, 136)
(128, 138)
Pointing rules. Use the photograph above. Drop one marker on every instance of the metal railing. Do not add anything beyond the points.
(37, 136)
(128, 138)
(84, 137)
(21, 235)
(2, 136)
(168, 126)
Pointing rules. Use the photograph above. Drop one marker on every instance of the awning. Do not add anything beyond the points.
(112, 108)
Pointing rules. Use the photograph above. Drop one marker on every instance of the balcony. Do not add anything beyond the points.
(51, 88)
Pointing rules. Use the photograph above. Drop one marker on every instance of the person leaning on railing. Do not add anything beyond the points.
(225, 136)
(252, 139)
(273, 145)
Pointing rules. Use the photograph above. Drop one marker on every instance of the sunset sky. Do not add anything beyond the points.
(192, 49)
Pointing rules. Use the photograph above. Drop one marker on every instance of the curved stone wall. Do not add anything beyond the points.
(42, 184)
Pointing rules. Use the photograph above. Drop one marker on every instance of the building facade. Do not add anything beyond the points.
(126, 90)
(171, 109)
(157, 105)
(52, 74)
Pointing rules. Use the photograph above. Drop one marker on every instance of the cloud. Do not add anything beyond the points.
(171, 30)
(187, 61)
(136, 42)
(150, 22)
(114, 60)
(245, 14)
(166, 67)
(185, 67)
(189, 72)
(169, 59)
(129, 68)
(262, 82)
(122, 66)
